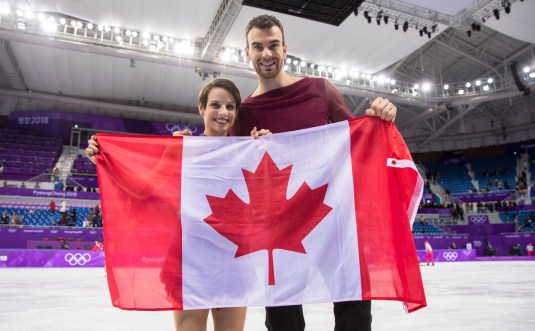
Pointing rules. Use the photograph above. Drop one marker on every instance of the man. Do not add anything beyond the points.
(429, 253)
(284, 103)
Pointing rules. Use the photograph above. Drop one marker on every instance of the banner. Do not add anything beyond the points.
(36, 258)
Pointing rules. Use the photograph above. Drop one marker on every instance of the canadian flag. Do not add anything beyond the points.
(310, 216)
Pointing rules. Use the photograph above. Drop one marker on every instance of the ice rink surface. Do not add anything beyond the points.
(467, 296)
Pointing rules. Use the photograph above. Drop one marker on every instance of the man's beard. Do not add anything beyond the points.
(277, 68)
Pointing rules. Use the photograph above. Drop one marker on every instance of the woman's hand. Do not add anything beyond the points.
(257, 133)
(185, 132)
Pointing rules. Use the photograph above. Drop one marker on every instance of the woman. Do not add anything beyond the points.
(218, 103)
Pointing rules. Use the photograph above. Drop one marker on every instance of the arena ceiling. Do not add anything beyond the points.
(76, 70)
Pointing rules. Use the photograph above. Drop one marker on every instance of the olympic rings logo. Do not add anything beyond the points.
(479, 219)
(171, 127)
(77, 258)
(450, 256)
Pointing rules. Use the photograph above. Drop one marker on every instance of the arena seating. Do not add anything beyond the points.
(84, 172)
(452, 177)
(427, 228)
(24, 157)
(489, 171)
(39, 214)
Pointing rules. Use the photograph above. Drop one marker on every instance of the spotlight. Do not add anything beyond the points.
(506, 4)
(496, 13)
(379, 17)
(469, 33)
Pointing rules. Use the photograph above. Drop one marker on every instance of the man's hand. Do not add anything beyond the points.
(382, 108)
(92, 149)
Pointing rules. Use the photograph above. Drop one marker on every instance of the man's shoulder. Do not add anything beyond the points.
(292, 85)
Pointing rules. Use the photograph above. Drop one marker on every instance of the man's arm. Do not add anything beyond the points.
(338, 110)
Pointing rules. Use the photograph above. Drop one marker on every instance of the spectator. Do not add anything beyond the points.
(63, 209)
(55, 173)
(527, 223)
(62, 221)
(515, 250)
(4, 220)
(529, 249)
(93, 218)
(421, 220)
(52, 207)
(64, 244)
(453, 246)
(72, 217)
(99, 246)
(429, 253)
(15, 219)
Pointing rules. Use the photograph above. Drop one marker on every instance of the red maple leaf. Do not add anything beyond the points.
(269, 221)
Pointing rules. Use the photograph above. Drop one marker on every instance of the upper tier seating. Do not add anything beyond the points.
(23, 157)
(452, 177)
(496, 173)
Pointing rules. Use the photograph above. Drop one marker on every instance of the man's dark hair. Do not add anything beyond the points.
(263, 22)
